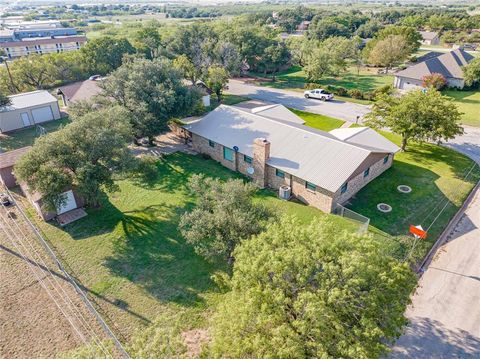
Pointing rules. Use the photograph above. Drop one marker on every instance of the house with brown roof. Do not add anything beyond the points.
(80, 91)
(448, 64)
(7, 161)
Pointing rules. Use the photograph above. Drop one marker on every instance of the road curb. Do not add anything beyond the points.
(448, 229)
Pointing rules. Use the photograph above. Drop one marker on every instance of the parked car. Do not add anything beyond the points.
(319, 94)
(5, 200)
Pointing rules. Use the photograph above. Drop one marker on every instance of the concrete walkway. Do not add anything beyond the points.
(445, 312)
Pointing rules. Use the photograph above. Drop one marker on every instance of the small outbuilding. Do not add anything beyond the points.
(80, 91)
(430, 37)
(7, 161)
(28, 109)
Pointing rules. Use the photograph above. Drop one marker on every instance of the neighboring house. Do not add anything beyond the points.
(448, 64)
(275, 150)
(203, 88)
(79, 91)
(7, 177)
(7, 161)
(42, 45)
(303, 26)
(28, 109)
(429, 38)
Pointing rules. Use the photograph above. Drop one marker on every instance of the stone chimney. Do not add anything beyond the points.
(261, 153)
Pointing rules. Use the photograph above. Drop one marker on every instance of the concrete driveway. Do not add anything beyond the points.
(346, 111)
(445, 312)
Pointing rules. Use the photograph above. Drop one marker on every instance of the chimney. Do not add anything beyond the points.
(261, 153)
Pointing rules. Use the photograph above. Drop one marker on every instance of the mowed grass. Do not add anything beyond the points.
(320, 122)
(437, 177)
(131, 257)
(468, 102)
(26, 137)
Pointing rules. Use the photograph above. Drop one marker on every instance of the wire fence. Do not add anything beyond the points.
(362, 221)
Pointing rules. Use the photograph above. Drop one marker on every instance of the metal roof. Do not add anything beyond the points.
(277, 111)
(310, 154)
(449, 65)
(29, 99)
(10, 158)
(365, 137)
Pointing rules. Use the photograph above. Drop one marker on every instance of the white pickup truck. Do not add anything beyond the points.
(318, 94)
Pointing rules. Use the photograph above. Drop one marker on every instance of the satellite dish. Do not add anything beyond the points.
(250, 170)
(235, 148)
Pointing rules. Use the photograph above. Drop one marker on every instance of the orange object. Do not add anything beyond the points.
(418, 232)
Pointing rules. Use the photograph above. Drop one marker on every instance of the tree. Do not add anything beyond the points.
(312, 292)
(186, 68)
(418, 115)
(299, 47)
(148, 40)
(471, 72)
(389, 51)
(83, 155)
(441, 22)
(369, 29)
(4, 100)
(105, 54)
(435, 80)
(217, 78)
(152, 91)
(410, 34)
(223, 217)
(322, 29)
(274, 57)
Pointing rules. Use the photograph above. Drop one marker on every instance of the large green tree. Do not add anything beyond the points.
(387, 52)
(83, 155)
(312, 291)
(410, 34)
(104, 54)
(420, 115)
(274, 57)
(471, 72)
(224, 216)
(216, 79)
(153, 92)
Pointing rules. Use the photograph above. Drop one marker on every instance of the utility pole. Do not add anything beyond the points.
(14, 87)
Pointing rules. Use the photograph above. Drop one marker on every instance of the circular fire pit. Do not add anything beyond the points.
(404, 188)
(383, 207)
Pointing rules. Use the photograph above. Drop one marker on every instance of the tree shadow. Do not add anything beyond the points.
(427, 338)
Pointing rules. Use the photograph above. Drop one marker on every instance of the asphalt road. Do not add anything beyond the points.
(445, 312)
(468, 143)
(346, 111)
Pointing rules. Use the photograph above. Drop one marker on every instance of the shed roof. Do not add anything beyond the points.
(81, 90)
(313, 155)
(29, 99)
(8, 159)
(428, 35)
(449, 65)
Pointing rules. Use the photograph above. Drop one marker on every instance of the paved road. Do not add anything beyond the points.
(445, 311)
(339, 109)
(468, 143)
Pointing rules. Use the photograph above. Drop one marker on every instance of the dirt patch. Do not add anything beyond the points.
(194, 340)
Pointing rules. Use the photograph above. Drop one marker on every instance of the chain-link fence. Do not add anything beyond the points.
(342, 211)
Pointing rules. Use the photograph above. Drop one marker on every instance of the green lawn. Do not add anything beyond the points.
(436, 176)
(366, 80)
(468, 102)
(320, 122)
(131, 257)
(26, 137)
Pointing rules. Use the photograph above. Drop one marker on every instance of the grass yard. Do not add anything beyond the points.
(320, 122)
(468, 102)
(26, 137)
(435, 174)
(131, 257)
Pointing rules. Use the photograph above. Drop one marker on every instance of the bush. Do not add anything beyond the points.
(386, 89)
(355, 93)
(340, 91)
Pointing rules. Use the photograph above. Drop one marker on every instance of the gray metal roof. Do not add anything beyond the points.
(278, 111)
(29, 99)
(315, 156)
(449, 65)
(365, 137)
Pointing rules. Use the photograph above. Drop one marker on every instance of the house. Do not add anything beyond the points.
(7, 161)
(42, 45)
(429, 38)
(303, 26)
(80, 91)
(448, 64)
(28, 109)
(66, 213)
(276, 150)
(202, 88)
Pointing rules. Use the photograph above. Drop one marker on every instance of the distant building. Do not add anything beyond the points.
(42, 45)
(429, 38)
(447, 64)
(79, 91)
(303, 26)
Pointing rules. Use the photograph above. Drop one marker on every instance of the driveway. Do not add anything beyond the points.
(445, 312)
(346, 111)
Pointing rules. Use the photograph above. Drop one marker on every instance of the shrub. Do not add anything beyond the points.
(435, 80)
(341, 91)
(355, 93)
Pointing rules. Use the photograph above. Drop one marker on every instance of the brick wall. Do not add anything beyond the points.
(359, 181)
(201, 145)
